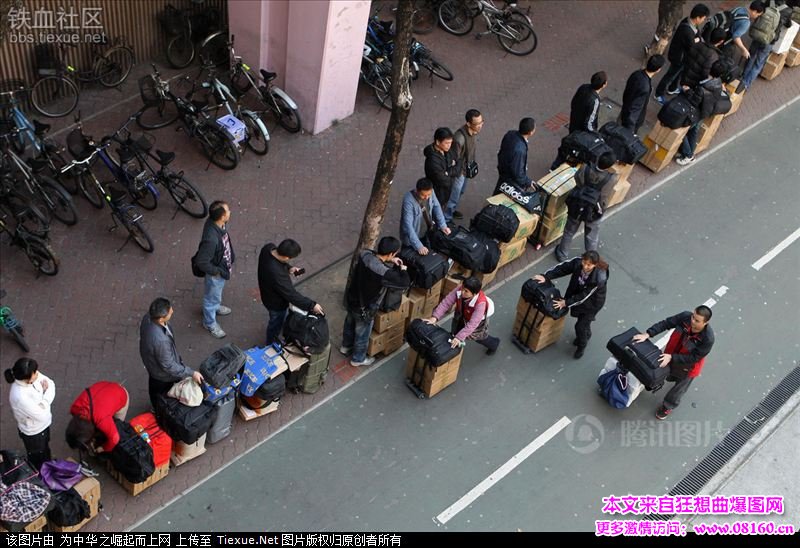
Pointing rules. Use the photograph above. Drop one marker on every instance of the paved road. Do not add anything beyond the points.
(375, 458)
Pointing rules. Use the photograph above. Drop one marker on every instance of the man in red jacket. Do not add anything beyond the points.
(93, 413)
(685, 353)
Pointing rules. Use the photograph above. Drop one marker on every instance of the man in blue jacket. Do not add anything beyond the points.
(420, 205)
(512, 159)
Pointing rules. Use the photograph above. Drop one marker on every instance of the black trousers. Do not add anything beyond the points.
(670, 79)
(583, 329)
(675, 394)
(156, 387)
(37, 447)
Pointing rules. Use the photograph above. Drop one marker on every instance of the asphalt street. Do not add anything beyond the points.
(374, 457)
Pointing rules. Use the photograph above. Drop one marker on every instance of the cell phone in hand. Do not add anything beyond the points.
(299, 271)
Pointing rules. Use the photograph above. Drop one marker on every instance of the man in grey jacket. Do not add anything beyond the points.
(159, 354)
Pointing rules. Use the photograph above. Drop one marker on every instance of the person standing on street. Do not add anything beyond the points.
(365, 293)
(420, 205)
(30, 398)
(584, 110)
(158, 351)
(686, 34)
(585, 295)
(215, 258)
(685, 353)
(276, 287)
(441, 167)
(464, 140)
(637, 94)
(512, 158)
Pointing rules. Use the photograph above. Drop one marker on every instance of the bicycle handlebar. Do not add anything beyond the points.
(74, 163)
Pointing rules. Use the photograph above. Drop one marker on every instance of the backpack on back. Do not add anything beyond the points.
(765, 29)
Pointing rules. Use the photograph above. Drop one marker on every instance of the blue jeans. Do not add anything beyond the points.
(690, 141)
(759, 53)
(355, 335)
(212, 299)
(275, 324)
(455, 195)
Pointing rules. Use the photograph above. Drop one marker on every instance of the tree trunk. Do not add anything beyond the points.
(670, 13)
(393, 141)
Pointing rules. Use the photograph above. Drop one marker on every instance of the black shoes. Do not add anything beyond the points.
(578, 353)
(458, 215)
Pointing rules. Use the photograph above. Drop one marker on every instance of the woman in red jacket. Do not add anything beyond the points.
(93, 413)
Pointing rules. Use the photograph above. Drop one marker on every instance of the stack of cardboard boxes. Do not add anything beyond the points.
(781, 50)
(534, 330)
(662, 144)
(423, 301)
(556, 185)
(388, 330)
(793, 55)
(431, 380)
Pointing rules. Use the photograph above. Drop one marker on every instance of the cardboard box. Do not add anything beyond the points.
(450, 283)
(248, 414)
(431, 380)
(486, 278)
(657, 157)
(511, 251)
(736, 98)
(388, 341)
(774, 65)
(385, 320)
(36, 526)
(428, 294)
(552, 229)
(618, 193)
(787, 37)
(557, 185)
(535, 330)
(135, 489)
(793, 57)
(623, 171)
(295, 358)
(416, 302)
(459, 272)
(184, 452)
(796, 43)
(665, 137)
(707, 131)
(527, 220)
(89, 490)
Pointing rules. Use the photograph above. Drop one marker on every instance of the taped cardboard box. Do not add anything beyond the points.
(184, 452)
(135, 489)
(557, 185)
(431, 380)
(666, 138)
(535, 330)
(388, 341)
(527, 220)
(657, 157)
(774, 66)
(736, 98)
(450, 283)
(248, 414)
(623, 171)
(793, 57)
(89, 490)
(552, 229)
(618, 193)
(386, 320)
(511, 251)
(707, 131)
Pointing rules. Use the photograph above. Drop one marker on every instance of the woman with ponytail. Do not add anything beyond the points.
(30, 398)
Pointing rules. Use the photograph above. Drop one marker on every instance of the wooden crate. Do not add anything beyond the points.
(248, 414)
(557, 184)
(431, 380)
(774, 66)
(388, 341)
(36, 526)
(527, 220)
(89, 490)
(136, 488)
(707, 131)
(386, 320)
(511, 251)
(552, 229)
(535, 330)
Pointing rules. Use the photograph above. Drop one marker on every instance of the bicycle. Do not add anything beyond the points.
(12, 325)
(271, 96)
(33, 132)
(217, 144)
(122, 213)
(56, 93)
(186, 30)
(376, 72)
(36, 248)
(511, 26)
(21, 208)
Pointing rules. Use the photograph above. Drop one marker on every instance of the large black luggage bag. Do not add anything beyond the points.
(181, 422)
(431, 342)
(542, 297)
(678, 112)
(462, 246)
(305, 330)
(583, 147)
(627, 148)
(497, 221)
(132, 456)
(641, 359)
(220, 368)
(425, 270)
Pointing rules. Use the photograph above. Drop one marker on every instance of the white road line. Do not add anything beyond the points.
(759, 264)
(710, 302)
(721, 291)
(501, 472)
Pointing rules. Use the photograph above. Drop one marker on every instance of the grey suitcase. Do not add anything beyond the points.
(221, 427)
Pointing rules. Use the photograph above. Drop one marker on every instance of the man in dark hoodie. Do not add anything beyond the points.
(276, 288)
(214, 258)
(686, 34)
(701, 56)
(441, 166)
(704, 97)
(512, 158)
(637, 94)
(584, 110)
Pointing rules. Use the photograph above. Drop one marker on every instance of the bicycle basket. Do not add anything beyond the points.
(78, 145)
(172, 20)
(149, 91)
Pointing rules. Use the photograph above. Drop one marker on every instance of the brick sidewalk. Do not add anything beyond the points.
(82, 324)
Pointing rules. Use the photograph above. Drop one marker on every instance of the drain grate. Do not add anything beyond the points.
(735, 440)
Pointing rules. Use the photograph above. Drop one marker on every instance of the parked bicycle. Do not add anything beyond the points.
(56, 92)
(186, 30)
(12, 325)
(376, 72)
(218, 146)
(511, 25)
(273, 98)
(36, 248)
(19, 206)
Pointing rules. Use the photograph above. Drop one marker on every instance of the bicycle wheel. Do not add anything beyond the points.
(16, 332)
(140, 235)
(157, 116)
(180, 51)
(58, 201)
(437, 69)
(455, 17)
(26, 214)
(41, 255)
(54, 96)
(87, 184)
(423, 20)
(114, 66)
(517, 37)
(257, 137)
(186, 195)
(218, 146)
(214, 49)
(288, 117)
(67, 180)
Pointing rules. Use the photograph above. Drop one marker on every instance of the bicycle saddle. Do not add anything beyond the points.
(268, 76)
(164, 158)
(40, 128)
(37, 164)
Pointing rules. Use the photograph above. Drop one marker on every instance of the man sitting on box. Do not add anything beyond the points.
(471, 319)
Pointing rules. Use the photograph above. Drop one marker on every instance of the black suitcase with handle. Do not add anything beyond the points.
(641, 359)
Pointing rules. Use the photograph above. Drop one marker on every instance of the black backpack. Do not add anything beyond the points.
(496, 221)
(308, 331)
(69, 508)
(583, 147)
(731, 70)
(431, 342)
(462, 246)
(678, 113)
(220, 368)
(132, 456)
(181, 422)
(542, 296)
(492, 255)
(627, 148)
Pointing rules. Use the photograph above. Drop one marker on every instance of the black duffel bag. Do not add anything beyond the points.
(220, 368)
(431, 342)
(132, 456)
(678, 112)
(69, 508)
(542, 297)
(583, 147)
(307, 331)
(627, 148)
(491, 257)
(496, 221)
(462, 246)
(272, 390)
(181, 422)
(425, 270)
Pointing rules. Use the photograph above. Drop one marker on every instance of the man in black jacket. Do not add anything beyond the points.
(686, 34)
(441, 167)
(584, 110)
(701, 57)
(374, 272)
(704, 97)
(585, 295)
(214, 258)
(276, 288)
(512, 158)
(637, 94)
